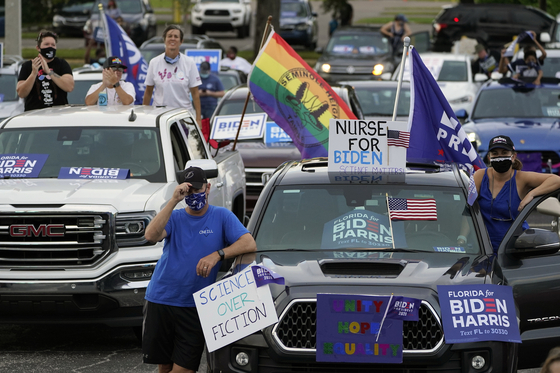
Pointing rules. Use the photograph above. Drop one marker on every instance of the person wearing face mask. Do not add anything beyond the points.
(504, 190)
(118, 91)
(172, 76)
(233, 61)
(532, 70)
(396, 31)
(210, 90)
(197, 239)
(45, 80)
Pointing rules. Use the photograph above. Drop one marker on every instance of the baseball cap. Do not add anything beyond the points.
(503, 142)
(113, 61)
(204, 67)
(401, 17)
(195, 176)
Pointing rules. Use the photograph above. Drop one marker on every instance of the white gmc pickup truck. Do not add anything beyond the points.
(72, 247)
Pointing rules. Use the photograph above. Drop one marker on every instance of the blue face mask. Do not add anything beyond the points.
(171, 60)
(196, 201)
(532, 65)
(204, 76)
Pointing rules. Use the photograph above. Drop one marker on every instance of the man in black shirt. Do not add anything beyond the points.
(45, 80)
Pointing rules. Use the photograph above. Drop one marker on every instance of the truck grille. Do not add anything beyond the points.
(41, 240)
(297, 329)
(217, 12)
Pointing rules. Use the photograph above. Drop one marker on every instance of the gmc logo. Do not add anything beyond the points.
(29, 230)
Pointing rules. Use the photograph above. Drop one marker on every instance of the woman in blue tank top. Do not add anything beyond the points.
(396, 31)
(504, 190)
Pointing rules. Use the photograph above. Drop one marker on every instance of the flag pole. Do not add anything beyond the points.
(401, 73)
(390, 221)
(103, 23)
(268, 22)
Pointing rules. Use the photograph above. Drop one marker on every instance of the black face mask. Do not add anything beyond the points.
(48, 53)
(501, 164)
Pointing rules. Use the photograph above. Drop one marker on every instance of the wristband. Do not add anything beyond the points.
(117, 84)
(221, 254)
(462, 238)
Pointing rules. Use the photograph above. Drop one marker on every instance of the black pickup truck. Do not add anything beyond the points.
(289, 222)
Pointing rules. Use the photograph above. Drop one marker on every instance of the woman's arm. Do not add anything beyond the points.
(535, 184)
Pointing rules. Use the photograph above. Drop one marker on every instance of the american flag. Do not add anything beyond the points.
(412, 209)
(398, 138)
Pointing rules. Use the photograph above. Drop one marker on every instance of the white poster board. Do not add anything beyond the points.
(361, 146)
(234, 308)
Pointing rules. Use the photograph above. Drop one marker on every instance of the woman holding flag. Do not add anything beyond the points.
(173, 77)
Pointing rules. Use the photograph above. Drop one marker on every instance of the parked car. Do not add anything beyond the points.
(137, 14)
(293, 225)
(260, 158)
(298, 23)
(154, 46)
(231, 78)
(491, 24)
(87, 260)
(71, 18)
(222, 15)
(355, 52)
(10, 103)
(551, 66)
(454, 76)
(377, 98)
(528, 114)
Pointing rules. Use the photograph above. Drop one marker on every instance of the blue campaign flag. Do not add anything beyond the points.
(435, 131)
(123, 47)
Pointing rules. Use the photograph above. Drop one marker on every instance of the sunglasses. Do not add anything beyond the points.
(121, 69)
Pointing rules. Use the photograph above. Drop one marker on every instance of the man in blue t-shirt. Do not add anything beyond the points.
(210, 90)
(197, 239)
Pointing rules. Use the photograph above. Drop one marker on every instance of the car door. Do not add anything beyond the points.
(421, 41)
(535, 279)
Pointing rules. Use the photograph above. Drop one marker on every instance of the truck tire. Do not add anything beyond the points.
(241, 32)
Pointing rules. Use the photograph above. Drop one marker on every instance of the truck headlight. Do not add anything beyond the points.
(130, 228)
(58, 19)
(197, 8)
(378, 69)
(326, 68)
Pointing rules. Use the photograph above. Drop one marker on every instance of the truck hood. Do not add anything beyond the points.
(123, 195)
(425, 270)
(528, 134)
(9, 108)
(257, 154)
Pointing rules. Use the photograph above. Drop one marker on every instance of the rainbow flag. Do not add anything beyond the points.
(295, 97)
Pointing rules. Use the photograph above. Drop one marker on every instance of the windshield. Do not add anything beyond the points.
(295, 9)
(360, 44)
(8, 84)
(235, 107)
(551, 67)
(453, 71)
(355, 217)
(517, 102)
(228, 81)
(136, 149)
(129, 6)
(381, 100)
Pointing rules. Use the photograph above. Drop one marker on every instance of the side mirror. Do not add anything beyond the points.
(209, 166)
(461, 114)
(535, 242)
(496, 75)
(479, 77)
(545, 37)
(314, 14)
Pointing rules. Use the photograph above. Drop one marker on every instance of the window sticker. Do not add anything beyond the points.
(93, 173)
(450, 249)
(363, 229)
(367, 49)
(456, 197)
(343, 48)
(21, 165)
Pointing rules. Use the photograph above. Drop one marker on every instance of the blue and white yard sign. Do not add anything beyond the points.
(225, 127)
(274, 133)
(212, 56)
(473, 313)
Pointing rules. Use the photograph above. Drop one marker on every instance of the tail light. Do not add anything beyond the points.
(439, 26)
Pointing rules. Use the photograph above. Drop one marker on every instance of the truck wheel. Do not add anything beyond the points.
(241, 32)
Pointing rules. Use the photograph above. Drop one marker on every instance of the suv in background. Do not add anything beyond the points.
(298, 23)
(72, 17)
(222, 15)
(137, 14)
(356, 53)
(491, 24)
(260, 158)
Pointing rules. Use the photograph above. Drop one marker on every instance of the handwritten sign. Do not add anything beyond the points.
(362, 146)
(348, 327)
(473, 313)
(22, 165)
(225, 127)
(234, 308)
